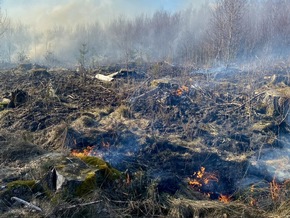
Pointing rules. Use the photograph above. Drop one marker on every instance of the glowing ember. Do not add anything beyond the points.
(200, 173)
(253, 202)
(181, 90)
(202, 178)
(225, 199)
(86, 152)
(195, 183)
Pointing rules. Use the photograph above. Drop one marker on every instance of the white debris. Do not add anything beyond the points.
(104, 78)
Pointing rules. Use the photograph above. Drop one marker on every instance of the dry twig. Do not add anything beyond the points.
(26, 203)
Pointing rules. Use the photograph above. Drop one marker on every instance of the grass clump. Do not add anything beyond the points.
(21, 183)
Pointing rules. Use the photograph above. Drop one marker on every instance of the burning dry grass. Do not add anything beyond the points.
(138, 195)
(84, 153)
(182, 90)
(202, 177)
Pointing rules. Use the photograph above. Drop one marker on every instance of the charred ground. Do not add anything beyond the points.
(159, 129)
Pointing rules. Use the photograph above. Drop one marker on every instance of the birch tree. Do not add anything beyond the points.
(227, 28)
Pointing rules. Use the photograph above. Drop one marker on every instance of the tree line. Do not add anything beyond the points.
(220, 31)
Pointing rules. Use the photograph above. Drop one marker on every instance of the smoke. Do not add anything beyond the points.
(60, 27)
(46, 14)
(177, 31)
(274, 163)
(43, 16)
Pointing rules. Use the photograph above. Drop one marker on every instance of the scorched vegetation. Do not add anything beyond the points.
(168, 115)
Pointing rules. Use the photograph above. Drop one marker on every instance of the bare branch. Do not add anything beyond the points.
(26, 203)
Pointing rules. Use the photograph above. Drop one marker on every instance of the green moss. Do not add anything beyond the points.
(3, 104)
(100, 174)
(93, 161)
(109, 173)
(21, 183)
(96, 179)
(103, 167)
(88, 185)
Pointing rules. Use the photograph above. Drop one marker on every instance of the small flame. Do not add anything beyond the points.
(195, 183)
(86, 152)
(181, 90)
(225, 198)
(202, 178)
(200, 173)
(253, 202)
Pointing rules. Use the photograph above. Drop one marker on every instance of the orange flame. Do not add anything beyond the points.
(253, 202)
(83, 153)
(200, 173)
(202, 177)
(225, 198)
(181, 90)
(195, 183)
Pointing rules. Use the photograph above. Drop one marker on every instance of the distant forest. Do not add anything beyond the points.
(221, 31)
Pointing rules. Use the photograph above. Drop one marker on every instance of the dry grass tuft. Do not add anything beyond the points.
(191, 208)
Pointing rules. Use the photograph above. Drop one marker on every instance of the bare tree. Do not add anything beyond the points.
(4, 22)
(4, 26)
(277, 26)
(227, 28)
(83, 51)
(122, 34)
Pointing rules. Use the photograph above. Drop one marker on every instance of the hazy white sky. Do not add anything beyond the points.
(44, 13)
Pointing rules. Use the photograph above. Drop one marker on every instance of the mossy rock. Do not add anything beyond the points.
(76, 176)
(88, 185)
(104, 172)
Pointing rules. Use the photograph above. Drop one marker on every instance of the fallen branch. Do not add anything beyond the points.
(26, 203)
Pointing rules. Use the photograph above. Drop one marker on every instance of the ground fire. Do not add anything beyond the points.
(202, 178)
(86, 152)
(182, 90)
(225, 198)
(179, 110)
